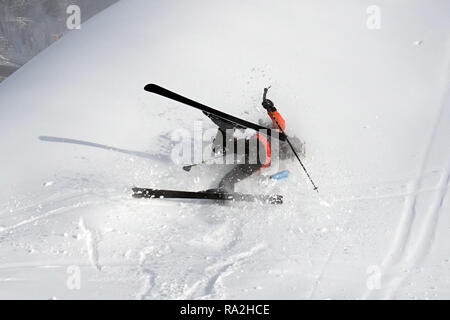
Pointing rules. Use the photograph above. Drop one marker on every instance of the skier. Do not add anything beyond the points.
(256, 151)
(258, 147)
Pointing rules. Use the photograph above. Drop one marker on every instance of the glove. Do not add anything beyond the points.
(268, 105)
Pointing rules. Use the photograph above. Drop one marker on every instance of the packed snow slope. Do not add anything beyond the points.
(78, 131)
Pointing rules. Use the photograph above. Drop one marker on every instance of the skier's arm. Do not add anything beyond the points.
(276, 117)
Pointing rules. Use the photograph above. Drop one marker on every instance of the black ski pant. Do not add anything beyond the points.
(238, 173)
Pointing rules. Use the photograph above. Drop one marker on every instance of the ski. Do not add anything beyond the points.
(205, 195)
(239, 123)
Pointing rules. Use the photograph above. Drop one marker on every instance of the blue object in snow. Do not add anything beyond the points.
(280, 175)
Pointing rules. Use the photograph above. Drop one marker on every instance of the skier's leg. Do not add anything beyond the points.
(252, 163)
(238, 173)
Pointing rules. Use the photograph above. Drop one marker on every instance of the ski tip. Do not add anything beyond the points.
(137, 192)
(151, 87)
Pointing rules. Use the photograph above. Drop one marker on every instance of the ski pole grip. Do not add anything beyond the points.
(265, 93)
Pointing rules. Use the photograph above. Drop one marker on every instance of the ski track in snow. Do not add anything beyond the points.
(411, 250)
(430, 219)
(411, 192)
(148, 276)
(408, 249)
(205, 288)
(91, 244)
(220, 238)
(328, 260)
(45, 215)
(146, 286)
(210, 284)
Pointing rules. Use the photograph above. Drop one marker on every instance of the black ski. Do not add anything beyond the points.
(205, 195)
(240, 123)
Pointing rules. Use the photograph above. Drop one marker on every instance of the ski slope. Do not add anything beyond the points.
(78, 131)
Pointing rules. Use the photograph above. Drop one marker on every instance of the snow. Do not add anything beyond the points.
(372, 105)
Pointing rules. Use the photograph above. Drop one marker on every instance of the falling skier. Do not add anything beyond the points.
(257, 148)
(254, 153)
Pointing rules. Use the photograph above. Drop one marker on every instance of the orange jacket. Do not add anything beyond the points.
(278, 122)
(277, 119)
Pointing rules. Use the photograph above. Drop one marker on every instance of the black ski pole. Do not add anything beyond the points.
(189, 167)
(290, 144)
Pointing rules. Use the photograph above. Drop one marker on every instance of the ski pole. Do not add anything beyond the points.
(290, 144)
(189, 167)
